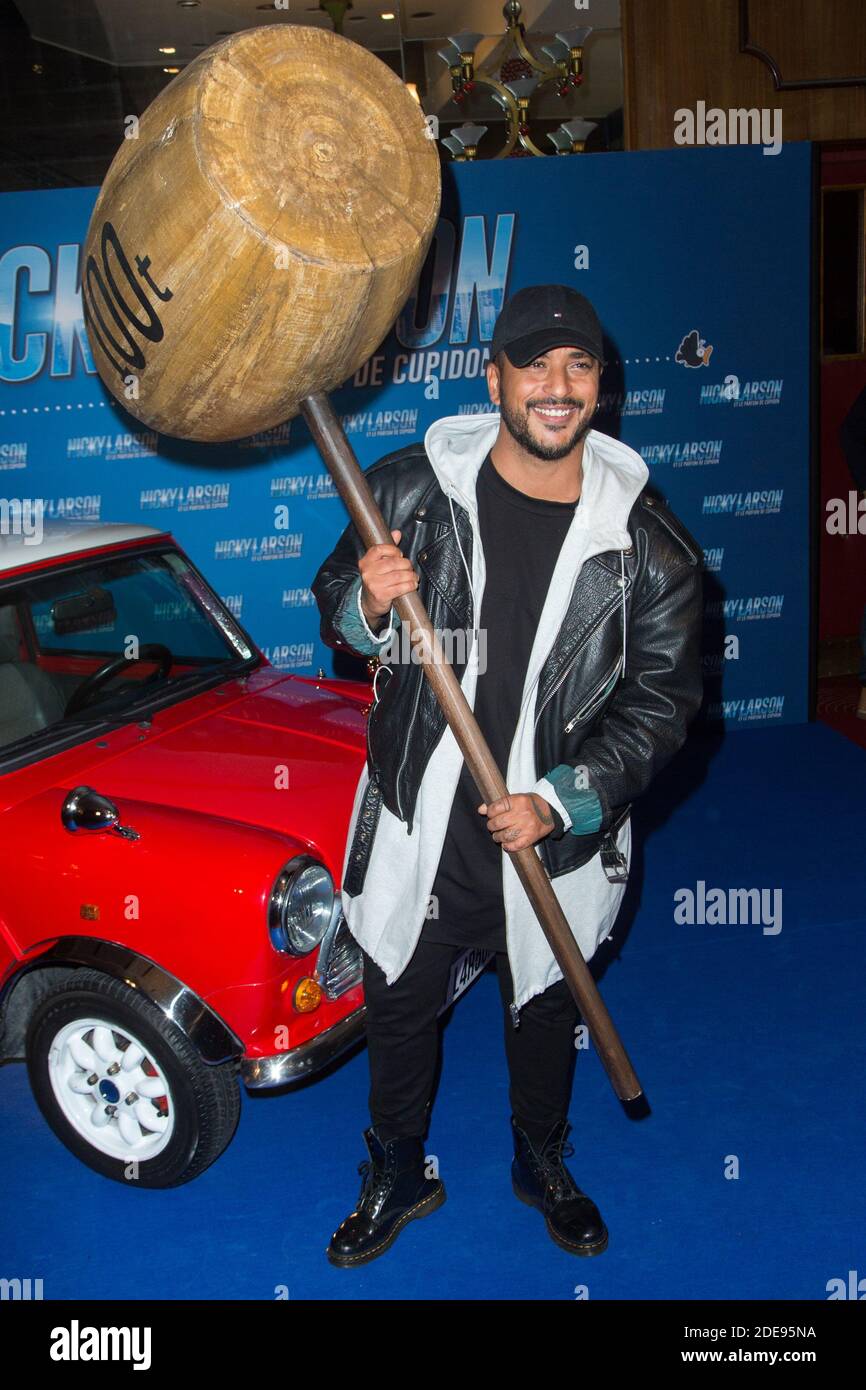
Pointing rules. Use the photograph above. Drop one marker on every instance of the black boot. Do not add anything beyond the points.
(540, 1178)
(395, 1190)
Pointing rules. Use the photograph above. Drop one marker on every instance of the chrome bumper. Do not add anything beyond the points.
(260, 1072)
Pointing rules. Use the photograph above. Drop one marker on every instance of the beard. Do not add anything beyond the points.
(518, 425)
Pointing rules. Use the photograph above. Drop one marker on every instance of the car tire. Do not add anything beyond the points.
(178, 1115)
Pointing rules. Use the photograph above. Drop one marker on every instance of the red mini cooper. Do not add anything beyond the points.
(173, 815)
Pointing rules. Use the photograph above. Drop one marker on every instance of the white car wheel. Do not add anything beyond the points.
(110, 1090)
(123, 1087)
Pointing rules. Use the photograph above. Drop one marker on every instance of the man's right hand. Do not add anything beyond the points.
(385, 574)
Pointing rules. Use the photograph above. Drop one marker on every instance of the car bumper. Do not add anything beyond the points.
(260, 1072)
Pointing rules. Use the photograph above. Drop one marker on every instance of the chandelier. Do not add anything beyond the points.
(519, 80)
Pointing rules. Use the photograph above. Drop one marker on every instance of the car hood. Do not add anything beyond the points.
(271, 750)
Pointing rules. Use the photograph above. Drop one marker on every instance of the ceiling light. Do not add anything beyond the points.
(387, 15)
(171, 69)
(168, 50)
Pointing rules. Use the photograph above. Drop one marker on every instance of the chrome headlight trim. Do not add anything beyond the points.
(286, 931)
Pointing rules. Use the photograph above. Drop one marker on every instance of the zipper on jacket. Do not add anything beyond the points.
(422, 680)
(601, 691)
(408, 739)
(575, 654)
(367, 732)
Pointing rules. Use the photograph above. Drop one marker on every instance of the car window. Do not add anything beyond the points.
(150, 616)
(143, 599)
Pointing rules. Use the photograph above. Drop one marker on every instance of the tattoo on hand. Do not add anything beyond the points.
(544, 815)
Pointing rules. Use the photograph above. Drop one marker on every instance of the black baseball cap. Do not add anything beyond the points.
(540, 317)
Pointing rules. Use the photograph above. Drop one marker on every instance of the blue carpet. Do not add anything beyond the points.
(749, 1046)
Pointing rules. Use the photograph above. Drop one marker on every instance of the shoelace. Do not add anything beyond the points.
(558, 1181)
(374, 1187)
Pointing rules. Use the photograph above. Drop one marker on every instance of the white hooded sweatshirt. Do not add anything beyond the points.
(388, 915)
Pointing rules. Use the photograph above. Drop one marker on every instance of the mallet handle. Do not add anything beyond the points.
(340, 460)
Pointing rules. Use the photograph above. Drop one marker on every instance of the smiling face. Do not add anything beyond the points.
(548, 405)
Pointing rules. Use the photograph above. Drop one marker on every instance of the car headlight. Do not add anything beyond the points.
(300, 906)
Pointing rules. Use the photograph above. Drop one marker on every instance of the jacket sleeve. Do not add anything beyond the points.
(576, 807)
(646, 721)
(337, 591)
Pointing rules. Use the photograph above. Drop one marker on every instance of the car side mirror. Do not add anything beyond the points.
(85, 809)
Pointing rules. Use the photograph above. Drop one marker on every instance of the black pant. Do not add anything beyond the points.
(403, 1045)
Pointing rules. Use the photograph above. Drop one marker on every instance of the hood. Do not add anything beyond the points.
(614, 474)
(613, 477)
(280, 754)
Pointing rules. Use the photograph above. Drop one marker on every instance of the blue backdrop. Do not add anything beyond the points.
(698, 263)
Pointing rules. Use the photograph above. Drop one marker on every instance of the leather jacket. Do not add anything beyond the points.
(620, 731)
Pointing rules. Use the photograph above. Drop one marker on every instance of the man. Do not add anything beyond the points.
(530, 534)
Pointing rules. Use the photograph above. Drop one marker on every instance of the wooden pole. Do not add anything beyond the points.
(362, 508)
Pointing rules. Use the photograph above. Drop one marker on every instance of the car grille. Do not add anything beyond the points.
(340, 962)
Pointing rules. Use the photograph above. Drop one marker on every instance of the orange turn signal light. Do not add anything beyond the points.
(307, 995)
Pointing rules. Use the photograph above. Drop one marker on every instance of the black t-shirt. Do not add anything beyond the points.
(521, 538)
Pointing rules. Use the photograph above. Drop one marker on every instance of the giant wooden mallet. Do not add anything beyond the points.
(254, 241)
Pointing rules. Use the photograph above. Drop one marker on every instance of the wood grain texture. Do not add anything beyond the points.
(680, 52)
(258, 239)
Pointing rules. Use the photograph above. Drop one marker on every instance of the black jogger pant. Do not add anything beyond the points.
(403, 1045)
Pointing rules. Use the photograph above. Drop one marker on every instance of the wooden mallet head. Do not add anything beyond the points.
(256, 238)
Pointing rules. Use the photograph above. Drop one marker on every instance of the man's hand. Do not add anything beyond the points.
(518, 820)
(385, 574)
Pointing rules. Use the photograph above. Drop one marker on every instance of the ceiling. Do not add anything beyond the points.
(71, 70)
(131, 32)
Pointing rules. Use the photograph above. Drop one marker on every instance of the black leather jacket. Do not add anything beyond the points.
(621, 732)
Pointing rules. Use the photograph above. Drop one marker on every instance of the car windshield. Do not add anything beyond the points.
(103, 640)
